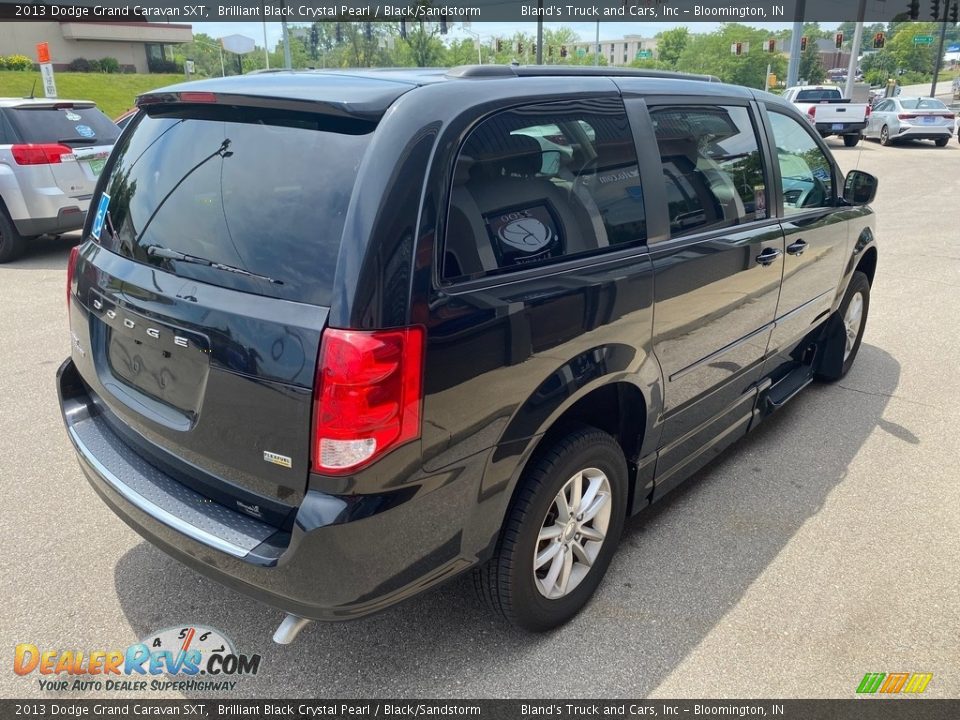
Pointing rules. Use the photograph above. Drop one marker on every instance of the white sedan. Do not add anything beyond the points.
(910, 118)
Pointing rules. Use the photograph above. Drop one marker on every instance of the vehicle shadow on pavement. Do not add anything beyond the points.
(45, 253)
(680, 570)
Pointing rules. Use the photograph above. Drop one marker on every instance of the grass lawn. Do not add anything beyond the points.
(113, 93)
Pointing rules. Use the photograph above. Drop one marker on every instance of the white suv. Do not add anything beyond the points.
(51, 152)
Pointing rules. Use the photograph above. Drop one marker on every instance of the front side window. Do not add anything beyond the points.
(541, 183)
(711, 167)
(806, 175)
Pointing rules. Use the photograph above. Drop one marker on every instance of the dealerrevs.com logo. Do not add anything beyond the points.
(177, 658)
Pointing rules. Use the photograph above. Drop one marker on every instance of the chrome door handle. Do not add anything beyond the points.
(768, 256)
(797, 248)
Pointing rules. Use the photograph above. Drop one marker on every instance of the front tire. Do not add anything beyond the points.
(12, 243)
(941, 142)
(851, 140)
(560, 534)
(850, 320)
(885, 136)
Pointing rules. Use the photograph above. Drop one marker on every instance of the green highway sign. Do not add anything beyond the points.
(923, 39)
(644, 54)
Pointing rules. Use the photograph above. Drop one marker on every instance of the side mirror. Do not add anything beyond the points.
(859, 188)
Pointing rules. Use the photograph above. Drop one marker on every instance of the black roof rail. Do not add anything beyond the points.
(483, 71)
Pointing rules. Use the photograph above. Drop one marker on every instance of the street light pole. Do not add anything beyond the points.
(939, 58)
(540, 33)
(596, 47)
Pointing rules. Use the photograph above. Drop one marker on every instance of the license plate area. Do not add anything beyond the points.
(165, 362)
(837, 126)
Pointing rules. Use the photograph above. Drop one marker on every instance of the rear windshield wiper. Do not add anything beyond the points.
(168, 254)
(78, 141)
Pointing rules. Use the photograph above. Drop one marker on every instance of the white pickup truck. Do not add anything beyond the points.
(830, 112)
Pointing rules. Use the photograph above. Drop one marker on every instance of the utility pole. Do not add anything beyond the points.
(855, 49)
(793, 69)
(266, 53)
(596, 47)
(287, 61)
(939, 57)
(540, 33)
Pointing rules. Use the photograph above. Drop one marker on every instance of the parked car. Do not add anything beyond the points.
(122, 121)
(830, 112)
(51, 152)
(338, 338)
(911, 118)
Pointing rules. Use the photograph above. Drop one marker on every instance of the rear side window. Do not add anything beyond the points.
(711, 167)
(69, 126)
(542, 183)
(256, 198)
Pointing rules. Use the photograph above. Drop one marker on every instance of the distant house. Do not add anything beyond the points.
(137, 46)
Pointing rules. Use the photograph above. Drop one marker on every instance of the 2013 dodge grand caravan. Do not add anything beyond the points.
(340, 336)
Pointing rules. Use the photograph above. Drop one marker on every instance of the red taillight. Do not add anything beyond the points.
(71, 267)
(907, 116)
(45, 154)
(948, 116)
(812, 111)
(869, 110)
(366, 397)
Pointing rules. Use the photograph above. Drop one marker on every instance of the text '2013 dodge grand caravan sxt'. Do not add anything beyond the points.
(338, 337)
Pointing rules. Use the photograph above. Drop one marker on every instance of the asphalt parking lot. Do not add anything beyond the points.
(823, 546)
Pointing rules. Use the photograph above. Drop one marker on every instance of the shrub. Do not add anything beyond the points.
(79, 65)
(164, 66)
(16, 62)
(95, 66)
(109, 65)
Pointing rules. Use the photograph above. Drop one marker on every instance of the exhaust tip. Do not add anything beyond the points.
(289, 628)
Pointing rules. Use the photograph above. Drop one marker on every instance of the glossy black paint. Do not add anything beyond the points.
(510, 360)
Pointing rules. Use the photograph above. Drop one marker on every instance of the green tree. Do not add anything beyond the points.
(671, 44)
(909, 56)
(710, 54)
(811, 68)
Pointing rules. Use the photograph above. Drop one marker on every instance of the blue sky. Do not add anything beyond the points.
(587, 30)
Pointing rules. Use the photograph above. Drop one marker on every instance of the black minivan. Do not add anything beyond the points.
(340, 336)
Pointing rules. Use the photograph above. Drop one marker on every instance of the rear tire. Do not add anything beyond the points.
(941, 142)
(572, 534)
(12, 243)
(851, 140)
(885, 136)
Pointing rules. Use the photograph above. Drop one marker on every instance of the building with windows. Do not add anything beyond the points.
(137, 46)
(620, 52)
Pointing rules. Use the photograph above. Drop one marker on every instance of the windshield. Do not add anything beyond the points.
(922, 104)
(69, 125)
(255, 198)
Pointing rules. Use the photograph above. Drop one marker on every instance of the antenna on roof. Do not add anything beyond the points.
(33, 90)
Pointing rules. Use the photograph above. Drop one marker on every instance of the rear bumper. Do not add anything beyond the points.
(919, 132)
(327, 567)
(845, 129)
(68, 219)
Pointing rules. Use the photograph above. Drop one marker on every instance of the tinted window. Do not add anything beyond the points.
(806, 174)
(922, 104)
(263, 192)
(72, 126)
(540, 183)
(817, 95)
(711, 167)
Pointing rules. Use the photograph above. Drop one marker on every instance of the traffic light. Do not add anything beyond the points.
(738, 48)
(953, 12)
(338, 32)
(878, 41)
(519, 47)
(803, 44)
(368, 30)
(913, 9)
(443, 25)
(499, 45)
(549, 51)
(838, 40)
(403, 29)
(563, 51)
(771, 45)
(935, 9)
